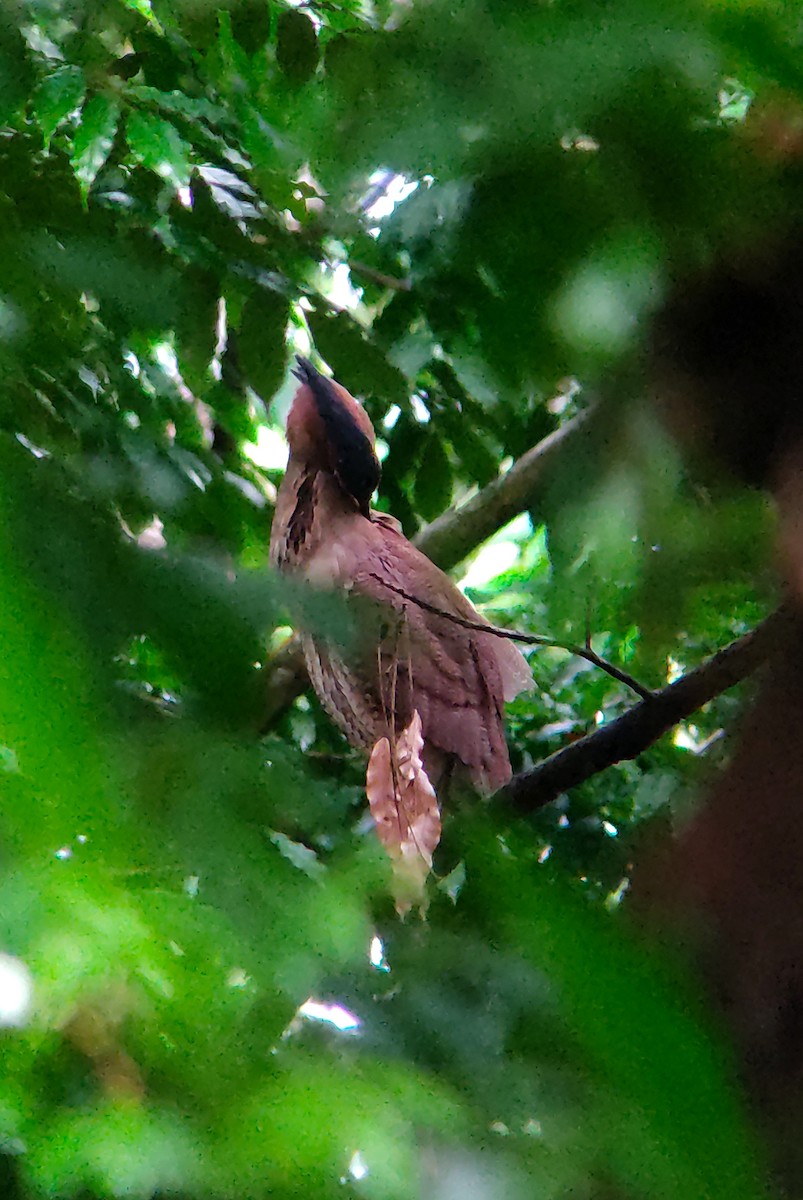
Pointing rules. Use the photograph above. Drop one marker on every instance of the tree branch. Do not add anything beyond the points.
(379, 277)
(446, 541)
(636, 730)
(452, 536)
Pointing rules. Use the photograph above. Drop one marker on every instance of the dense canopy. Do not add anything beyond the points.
(475, 216)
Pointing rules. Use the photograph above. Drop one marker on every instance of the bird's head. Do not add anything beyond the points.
(328, 429)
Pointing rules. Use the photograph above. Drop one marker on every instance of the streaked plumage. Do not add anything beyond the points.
(456, 678)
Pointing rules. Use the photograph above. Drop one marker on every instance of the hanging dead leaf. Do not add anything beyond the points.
(405, 808)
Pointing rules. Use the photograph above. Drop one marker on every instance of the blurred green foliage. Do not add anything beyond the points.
(471, 211)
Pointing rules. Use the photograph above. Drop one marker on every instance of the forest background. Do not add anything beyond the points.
(471, 214)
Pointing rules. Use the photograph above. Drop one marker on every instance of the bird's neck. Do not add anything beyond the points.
(310, 508)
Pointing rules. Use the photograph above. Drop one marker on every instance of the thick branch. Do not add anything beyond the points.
(636, 730)
(457, 532)
(446, 541)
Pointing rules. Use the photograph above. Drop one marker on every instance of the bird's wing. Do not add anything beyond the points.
(457, 677)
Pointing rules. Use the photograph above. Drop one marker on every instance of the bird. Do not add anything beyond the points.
(430, 667)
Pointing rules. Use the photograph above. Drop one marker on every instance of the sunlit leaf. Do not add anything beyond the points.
(93, 138)
(57, 96)
(158, 146)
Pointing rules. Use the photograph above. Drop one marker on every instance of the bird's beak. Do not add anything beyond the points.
(305, 372)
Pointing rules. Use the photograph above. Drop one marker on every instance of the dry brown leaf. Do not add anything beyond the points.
(405, 808)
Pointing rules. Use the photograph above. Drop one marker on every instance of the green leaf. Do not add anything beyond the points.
(432, 492)
(233, 412)
(196, 327)
(155, 143)
(16, 75)
(58, 747)
(250, 24)
(261, 341)
(296, 46)
(163, 59)
(119, 1149)
(407, 441)
(191, 611)
(57, 96)
(94, 138)
(357, 361)
(136, 281)
(479, 459)
(639, 1023)
(300, 856)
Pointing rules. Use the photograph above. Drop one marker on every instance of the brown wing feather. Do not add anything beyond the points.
(457, 678)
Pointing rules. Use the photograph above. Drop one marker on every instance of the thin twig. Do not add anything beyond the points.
(636, 730)
(596, 660)
(379, 277)
(528, 639)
